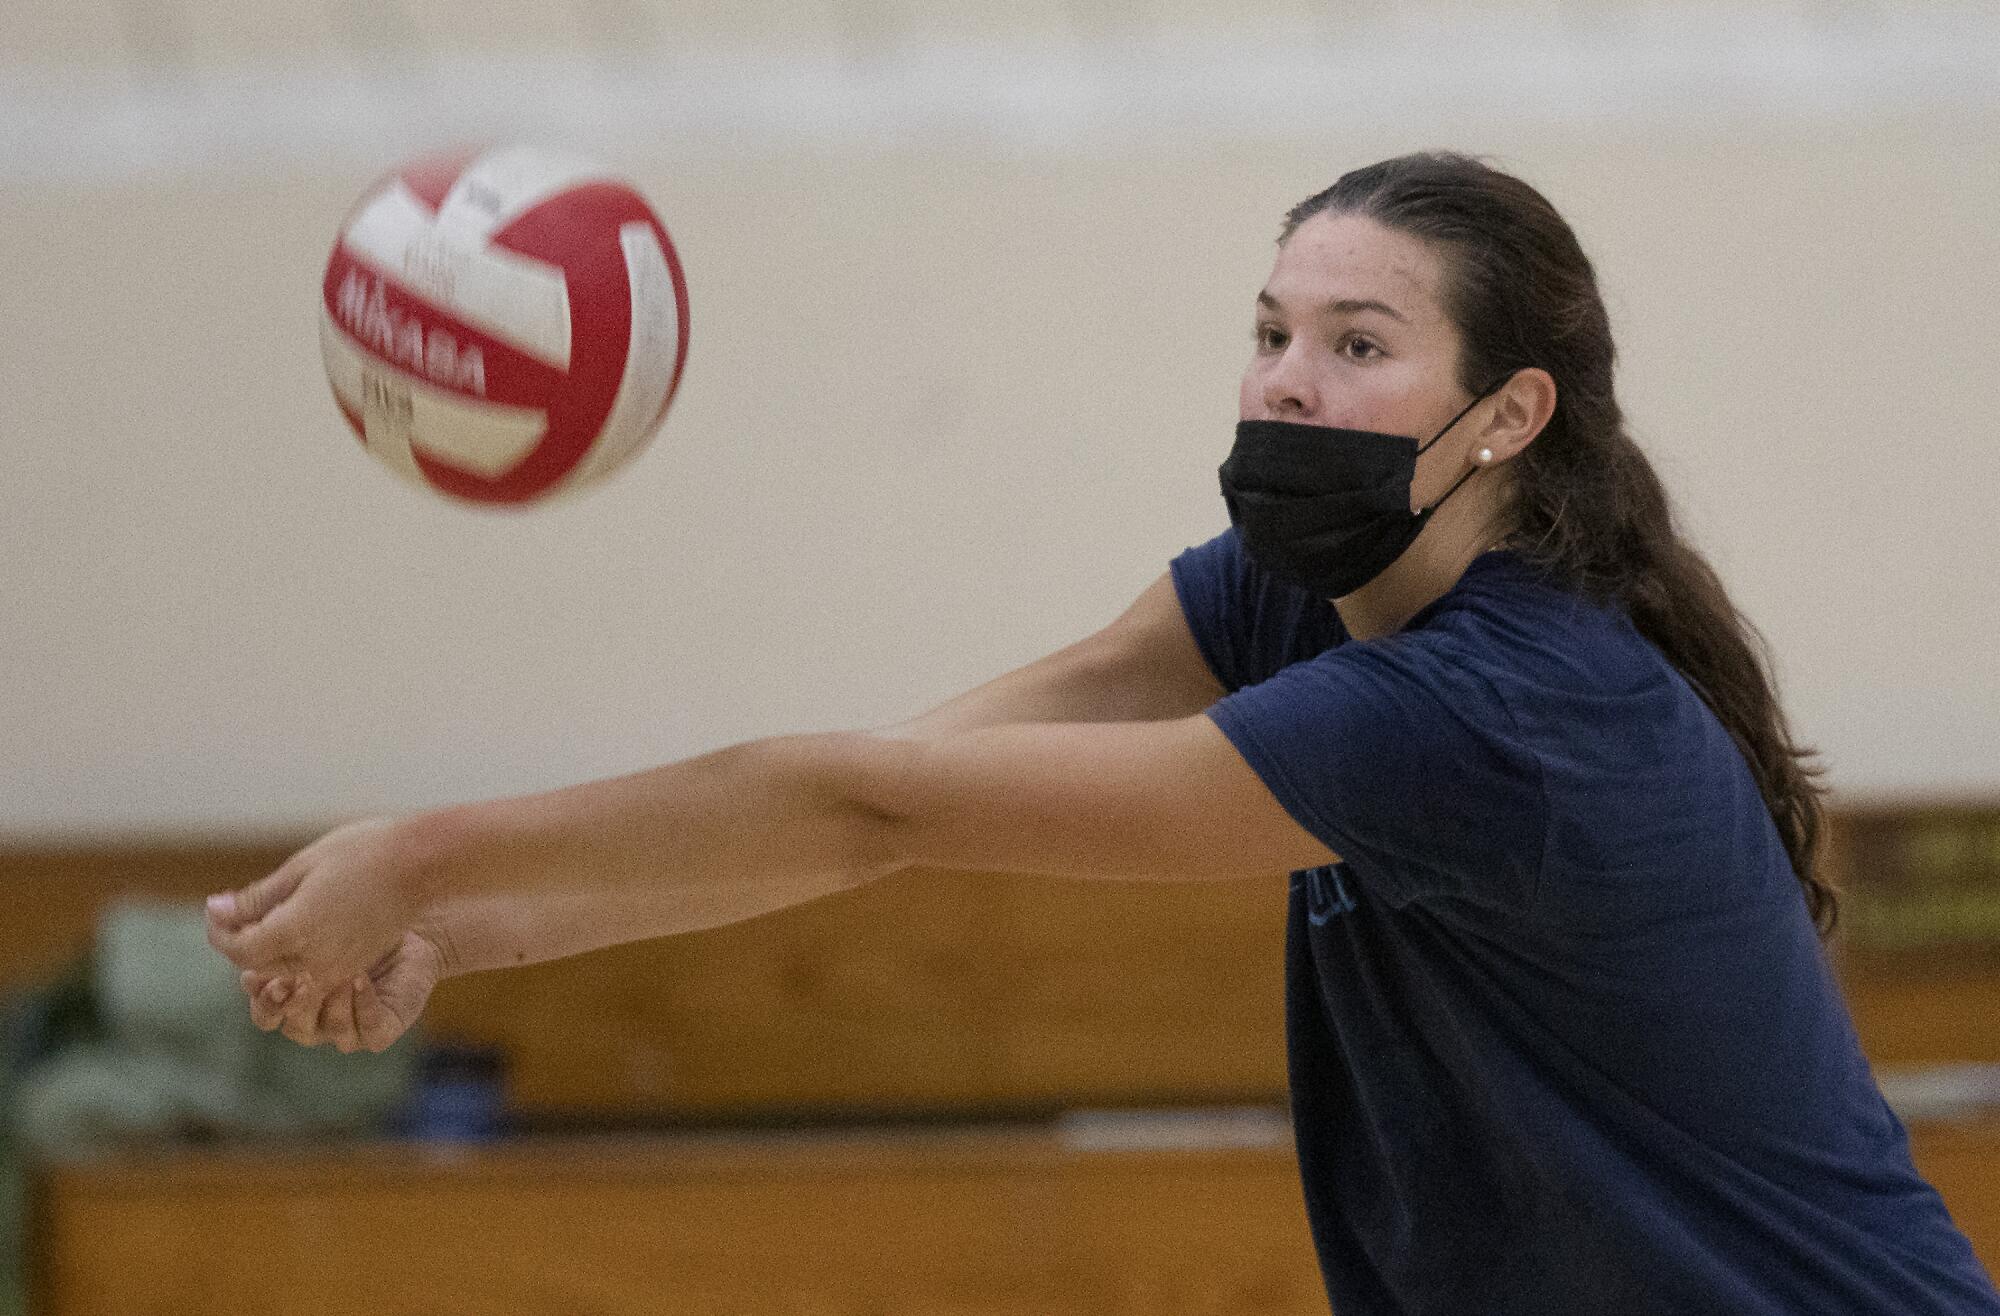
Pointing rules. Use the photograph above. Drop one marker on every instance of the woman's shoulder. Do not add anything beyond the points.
(1518, 625)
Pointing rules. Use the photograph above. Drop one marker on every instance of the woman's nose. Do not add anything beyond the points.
(1288, 391)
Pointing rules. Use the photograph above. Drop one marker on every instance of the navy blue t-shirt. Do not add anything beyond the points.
(1562, 1038)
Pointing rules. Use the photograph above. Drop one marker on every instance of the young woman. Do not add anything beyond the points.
(1562, 1037)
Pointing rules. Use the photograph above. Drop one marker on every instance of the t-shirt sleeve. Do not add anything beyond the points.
(1213, 582)
(1247, 624)
(1403, 759)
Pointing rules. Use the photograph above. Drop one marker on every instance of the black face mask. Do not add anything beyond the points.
(1327, 509)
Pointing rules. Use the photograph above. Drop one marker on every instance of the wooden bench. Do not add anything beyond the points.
(907, 1224)
(1023, 1223)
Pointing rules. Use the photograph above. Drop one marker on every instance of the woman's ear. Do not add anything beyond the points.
(1521, 409)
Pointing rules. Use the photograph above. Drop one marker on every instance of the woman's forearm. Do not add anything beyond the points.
(499, 932)
(710, 840)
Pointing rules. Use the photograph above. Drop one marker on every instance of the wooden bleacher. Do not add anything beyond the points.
(909, 1224)
(934, 995)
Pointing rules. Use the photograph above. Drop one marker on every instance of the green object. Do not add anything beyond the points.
(33, 1025)
(148, 1040)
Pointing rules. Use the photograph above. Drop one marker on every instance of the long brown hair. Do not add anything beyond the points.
(1589, 508)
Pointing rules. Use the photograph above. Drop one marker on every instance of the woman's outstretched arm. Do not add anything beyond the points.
(735, 833)
(551, 870)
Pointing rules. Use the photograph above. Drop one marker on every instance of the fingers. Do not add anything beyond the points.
(267, 1000)
(234, 910)
(307, 1016)
(306, 1022)
(291, 1005)
(236, 919)
(378, 1026)
(338, 1022)
(353, 1017)
(314, 1016)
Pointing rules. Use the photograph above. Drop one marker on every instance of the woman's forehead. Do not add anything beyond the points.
(1352, 257)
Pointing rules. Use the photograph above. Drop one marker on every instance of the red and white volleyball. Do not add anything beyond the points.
(505, 325)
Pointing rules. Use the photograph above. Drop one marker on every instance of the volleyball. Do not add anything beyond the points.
(503, 326)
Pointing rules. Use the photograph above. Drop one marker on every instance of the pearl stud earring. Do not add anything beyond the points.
(1485, 456)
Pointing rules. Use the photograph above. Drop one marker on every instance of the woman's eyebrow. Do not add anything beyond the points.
(1342, 306)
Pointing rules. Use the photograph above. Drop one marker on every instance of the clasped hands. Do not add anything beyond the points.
(333, 947)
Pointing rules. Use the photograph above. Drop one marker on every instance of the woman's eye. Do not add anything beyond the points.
(1360, 349)
(1271, 339)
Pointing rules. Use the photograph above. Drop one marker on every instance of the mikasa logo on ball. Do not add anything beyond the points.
(365, 311)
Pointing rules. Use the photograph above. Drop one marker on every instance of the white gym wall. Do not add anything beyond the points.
(970, 297)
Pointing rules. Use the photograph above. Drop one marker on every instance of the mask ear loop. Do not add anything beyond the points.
(1424, 513)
